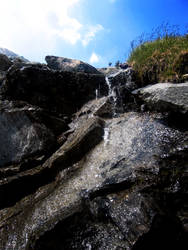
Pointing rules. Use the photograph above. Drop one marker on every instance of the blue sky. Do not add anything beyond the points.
(94, 31)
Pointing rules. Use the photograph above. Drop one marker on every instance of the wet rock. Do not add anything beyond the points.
(165, 97)
(119, 183)
(55, 124)
(101, 107)
(124, 77)
(74, 233)
(82, 139)
(5, 63)
(71, 65)
(78, 144)
(120, 84)
(21, 134)
(19, 180)
(58, 92)
(130, 212)
(28, 137)
(115, 195)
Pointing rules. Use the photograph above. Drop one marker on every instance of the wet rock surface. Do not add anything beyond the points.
(83, 172)
(121, 83)
(123, 77)
(108, 183)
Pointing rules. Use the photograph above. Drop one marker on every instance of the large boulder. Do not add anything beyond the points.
(165, 97)
(5, 63)
(22, 133)
(71, 65)
(78, 144)
(59, 92)
(120, 192)
(21, 179)
(114, 182)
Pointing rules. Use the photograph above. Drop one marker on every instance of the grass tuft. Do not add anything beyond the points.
(161, 56)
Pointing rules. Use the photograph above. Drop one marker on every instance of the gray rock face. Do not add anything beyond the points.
(72, 180)
(78, 144)
(58, 92)
(5, 63)
(165, 97)
(71, 65)
(21, 135)
(102, 107)
(112, 183)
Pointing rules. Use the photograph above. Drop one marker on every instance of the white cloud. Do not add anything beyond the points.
(34, 25)
(91, 33)
(94, 58)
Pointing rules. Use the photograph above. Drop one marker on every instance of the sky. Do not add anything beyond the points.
(94, 31)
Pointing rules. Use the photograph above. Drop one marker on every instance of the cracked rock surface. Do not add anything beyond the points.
(84, 177)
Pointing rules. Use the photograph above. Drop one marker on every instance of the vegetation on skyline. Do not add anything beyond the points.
(160, 56)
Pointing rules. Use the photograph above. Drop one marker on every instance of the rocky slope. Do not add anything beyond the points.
(89, 161)
(13, 56)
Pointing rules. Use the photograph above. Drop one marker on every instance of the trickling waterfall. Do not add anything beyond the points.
(97, 94)
(123, 81)
(106, 136)
(112, 93)
(109, 85)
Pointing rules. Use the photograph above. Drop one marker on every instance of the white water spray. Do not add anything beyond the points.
(112, 93)
(96, 94)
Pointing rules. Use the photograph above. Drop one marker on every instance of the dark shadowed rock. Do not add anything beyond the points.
(21, 133)
(120, 85)
(124, 65)
(5, 63)
(71, 65)
(165, 97)
(2, 76)
(24, 178)
(72, 180)
(123, 77)
(58, 92)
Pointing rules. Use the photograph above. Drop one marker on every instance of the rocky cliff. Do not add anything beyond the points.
(91, 161)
